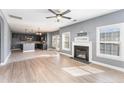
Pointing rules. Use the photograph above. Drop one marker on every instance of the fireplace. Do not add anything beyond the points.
(81, 53)
(82, 49)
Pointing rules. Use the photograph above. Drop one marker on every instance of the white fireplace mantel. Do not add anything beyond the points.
(88, 44)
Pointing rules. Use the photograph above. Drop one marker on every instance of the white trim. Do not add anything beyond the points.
(99, 63)
(121, 43)
(89, 44)
(118, 58)
(63, 48)
(109, 66)
(5, 61)
(69, 55)
(28, 51)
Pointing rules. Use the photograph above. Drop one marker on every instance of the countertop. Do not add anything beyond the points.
(36, 42)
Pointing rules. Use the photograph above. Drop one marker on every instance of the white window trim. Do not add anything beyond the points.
(63, 48)
(57, 47)
(121, 51)
(53, 41)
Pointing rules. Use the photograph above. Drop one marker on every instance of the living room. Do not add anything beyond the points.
(76, 44)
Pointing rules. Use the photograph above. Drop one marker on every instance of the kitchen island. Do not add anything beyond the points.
(29, 46)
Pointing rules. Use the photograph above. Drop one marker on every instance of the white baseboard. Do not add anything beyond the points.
(99, 63)
(95, 62)
(28, 51)
(109, 66)
(65, 54)
(5, 62)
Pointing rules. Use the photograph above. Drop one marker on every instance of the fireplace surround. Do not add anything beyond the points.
(82, 50)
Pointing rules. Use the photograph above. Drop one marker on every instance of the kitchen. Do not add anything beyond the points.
(28, 42)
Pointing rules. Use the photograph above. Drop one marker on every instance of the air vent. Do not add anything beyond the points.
(16, 17)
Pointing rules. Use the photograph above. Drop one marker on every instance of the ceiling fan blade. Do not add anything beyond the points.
(52, 11)
(51, 17)
(66, 17)
(67, 11)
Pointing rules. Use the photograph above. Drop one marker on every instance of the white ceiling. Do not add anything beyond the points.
(34, 20)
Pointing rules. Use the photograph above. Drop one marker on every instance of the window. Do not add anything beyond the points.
(55, 41)
(110, 41)
(66, 41)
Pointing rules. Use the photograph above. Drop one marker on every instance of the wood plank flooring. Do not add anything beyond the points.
(49, 70)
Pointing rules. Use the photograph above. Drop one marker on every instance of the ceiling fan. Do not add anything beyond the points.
(59, 14)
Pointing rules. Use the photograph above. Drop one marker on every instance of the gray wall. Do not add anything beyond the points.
(0, 41)
(5, 38)
(2, 38)
(90, 27)
(49, 40)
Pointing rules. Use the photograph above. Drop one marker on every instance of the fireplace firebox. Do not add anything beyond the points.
(81, 53)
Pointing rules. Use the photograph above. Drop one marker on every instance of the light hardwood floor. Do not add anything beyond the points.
(49, 69)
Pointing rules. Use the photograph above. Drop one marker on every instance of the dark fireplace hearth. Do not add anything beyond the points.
(81, 53)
